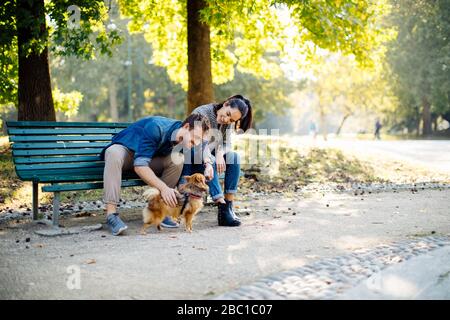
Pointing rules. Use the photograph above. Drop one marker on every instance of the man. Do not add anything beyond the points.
(147, 147)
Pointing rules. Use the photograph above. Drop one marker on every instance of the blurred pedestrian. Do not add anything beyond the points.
(378, 126)
(313, 129)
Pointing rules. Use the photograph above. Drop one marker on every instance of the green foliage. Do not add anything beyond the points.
(153, 93)
(87, 39)
(66, 103)
(97, 79)
(8, 53)
(340, 86)
(250, 36)
(348, 26)
(268, 96)
(419, 59)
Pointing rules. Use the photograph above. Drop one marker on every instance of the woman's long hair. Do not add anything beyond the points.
(245, 108)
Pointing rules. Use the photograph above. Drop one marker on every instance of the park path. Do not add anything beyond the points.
(433, 154)
(278, 234)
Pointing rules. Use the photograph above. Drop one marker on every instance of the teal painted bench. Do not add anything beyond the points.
(63, 155)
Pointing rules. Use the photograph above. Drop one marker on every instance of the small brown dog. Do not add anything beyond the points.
(189, 198)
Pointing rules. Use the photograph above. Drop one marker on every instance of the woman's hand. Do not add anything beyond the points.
(220, 163)
(209, 171)
(169, 196)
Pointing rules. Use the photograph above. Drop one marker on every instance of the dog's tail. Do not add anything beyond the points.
(151, 193)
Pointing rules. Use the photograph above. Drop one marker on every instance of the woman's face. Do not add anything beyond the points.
(227, 115)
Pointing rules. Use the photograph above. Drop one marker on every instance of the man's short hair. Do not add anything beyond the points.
(197, 119)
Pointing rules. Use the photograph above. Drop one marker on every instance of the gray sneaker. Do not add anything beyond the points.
(169, 223)
(115, 224)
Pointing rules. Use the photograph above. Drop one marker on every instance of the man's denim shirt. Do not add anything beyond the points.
(147, 138)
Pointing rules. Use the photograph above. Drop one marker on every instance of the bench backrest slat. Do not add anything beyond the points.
(43, 152)
(59, 131)
(37, 138)
(54, 166)
(56, 159)
(58, 145)
(52, 124)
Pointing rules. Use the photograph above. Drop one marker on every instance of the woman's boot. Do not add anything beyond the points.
(225, 216)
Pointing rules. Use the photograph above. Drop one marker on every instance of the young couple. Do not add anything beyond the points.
(152, 148)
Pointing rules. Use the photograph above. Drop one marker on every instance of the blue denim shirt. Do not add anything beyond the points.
(147, 138)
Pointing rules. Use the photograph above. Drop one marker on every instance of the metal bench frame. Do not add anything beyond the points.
(65, 155)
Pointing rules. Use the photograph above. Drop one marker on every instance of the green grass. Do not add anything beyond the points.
(9, 182)
(300, 168)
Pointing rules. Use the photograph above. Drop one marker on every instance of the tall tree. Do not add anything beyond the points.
(34, 88)
(29, 30)
(200, 89)
(246, 34)
(419, 59)
(343, 88)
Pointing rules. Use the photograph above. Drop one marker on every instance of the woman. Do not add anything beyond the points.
(223, 118)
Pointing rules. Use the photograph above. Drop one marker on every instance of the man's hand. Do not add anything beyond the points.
(169, 196)
(209, 171)
(220, 163)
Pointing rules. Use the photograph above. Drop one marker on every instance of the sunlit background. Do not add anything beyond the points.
(402, 78)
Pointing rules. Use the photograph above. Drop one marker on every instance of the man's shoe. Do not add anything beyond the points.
(169, 223)
(225, 215)
(115, 224)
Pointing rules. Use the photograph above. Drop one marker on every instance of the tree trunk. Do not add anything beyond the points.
(34, 87)
(434, 120)
(113, 101)
(338, 131)
(200, 86)
(426, 117)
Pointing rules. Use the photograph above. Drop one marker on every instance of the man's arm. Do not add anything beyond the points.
(147, 149)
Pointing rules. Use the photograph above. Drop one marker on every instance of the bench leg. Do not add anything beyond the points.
(35, 200)
(56, 200)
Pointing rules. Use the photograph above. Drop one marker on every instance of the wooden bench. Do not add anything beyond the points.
(63, 155)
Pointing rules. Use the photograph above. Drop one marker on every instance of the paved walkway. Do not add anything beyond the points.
(278, 234)
(426, 276)
(433, 154)
(403, 270)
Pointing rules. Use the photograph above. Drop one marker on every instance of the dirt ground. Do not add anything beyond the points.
(278, 233)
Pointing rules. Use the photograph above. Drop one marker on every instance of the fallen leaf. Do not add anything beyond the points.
(90, 261)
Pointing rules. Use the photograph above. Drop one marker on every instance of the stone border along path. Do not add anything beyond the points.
(328, 278)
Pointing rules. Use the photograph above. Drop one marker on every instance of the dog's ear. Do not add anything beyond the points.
(188, 178)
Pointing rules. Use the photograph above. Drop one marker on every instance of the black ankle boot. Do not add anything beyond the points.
(225, 216)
